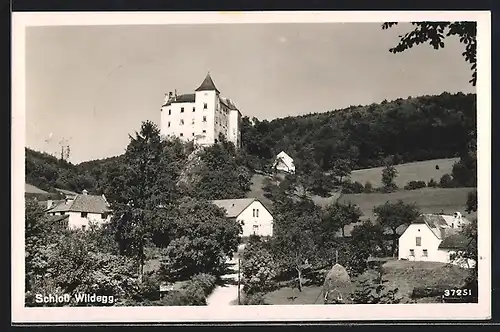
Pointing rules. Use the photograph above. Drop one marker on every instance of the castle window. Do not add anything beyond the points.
(182, 109)
(182, 121)
(205, 106)
(194, 109)
(204, 119)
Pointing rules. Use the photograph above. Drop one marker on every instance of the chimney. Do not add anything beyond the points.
(85, 192)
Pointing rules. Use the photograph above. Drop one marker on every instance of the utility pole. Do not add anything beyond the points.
(239, 265)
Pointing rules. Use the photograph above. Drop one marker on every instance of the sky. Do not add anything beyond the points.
(92, 86)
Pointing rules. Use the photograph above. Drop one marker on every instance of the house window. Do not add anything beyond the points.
(84, 214)
(194, 108)
(104, 215)
(192, 121)
(182, 121)
(61, 213)
(204, 119)
(182, 109)
(169, 112)
(182, 135)
(83, 227)
(205, 106)
(412, 252)
(418, 241)
(192, 134)
(257, 213)
(425, 253)
(168, 124)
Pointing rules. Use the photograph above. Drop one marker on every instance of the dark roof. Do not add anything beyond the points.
(185, 98)
(84, 203)
(31, 189)
(234, 207)
(437, 224)
(228, 103)
(454, 241)
(207, 85)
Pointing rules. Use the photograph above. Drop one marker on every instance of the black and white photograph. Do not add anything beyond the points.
(184, 167)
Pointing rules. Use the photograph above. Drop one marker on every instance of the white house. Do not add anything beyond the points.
(82, 210)
(250, 213)
(201, 116)
(434, 238)
(284, 162)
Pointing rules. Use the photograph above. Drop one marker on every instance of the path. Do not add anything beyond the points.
(227, 294)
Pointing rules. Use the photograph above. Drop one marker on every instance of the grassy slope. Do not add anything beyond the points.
(417, 171)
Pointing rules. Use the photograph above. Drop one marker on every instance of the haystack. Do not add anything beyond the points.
(337, 285)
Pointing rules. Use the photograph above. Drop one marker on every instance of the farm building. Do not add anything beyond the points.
(83, 209)
(254, 217)
(434, 238)
(284, 163)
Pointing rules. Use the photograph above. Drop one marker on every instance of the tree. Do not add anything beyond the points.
(394, 215)
(258, 269)
(337, 216)
(297, 232)
(367, 240)
(202, 241)
(435, 33)
(471, 201)
(389, 173)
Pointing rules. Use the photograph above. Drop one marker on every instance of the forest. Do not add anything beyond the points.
(334, 142)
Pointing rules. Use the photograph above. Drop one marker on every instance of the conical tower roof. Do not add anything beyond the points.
(207, 85)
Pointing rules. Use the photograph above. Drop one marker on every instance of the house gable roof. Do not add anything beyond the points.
(234, 207)
(84, 203)
(207, 85)
(31, 189)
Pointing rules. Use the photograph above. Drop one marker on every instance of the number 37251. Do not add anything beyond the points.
(457, 292)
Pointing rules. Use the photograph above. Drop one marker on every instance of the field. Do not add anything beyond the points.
(404, 275)
(417, 171)
(407, 275)
(428, 200)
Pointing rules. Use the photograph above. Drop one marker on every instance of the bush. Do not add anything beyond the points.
(258, 269)
(432, 183)
(349, 187)
(254, 299)
(368, 187)
(446, 181)
(412, 185)
(205, 281)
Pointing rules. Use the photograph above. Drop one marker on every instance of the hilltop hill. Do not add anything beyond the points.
(409, 130)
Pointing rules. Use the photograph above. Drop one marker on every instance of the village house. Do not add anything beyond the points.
(284, 163)
(82, 210)
(201, 116)
(254, 217)
(434, 238)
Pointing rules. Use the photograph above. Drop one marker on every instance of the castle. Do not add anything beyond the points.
(201, 116)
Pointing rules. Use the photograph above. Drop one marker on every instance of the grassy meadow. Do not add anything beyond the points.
(417, 171)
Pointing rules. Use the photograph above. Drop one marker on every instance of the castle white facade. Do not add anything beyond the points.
(201, 116)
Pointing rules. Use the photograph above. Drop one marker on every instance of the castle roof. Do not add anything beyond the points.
(185, 98)
(207, 85)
